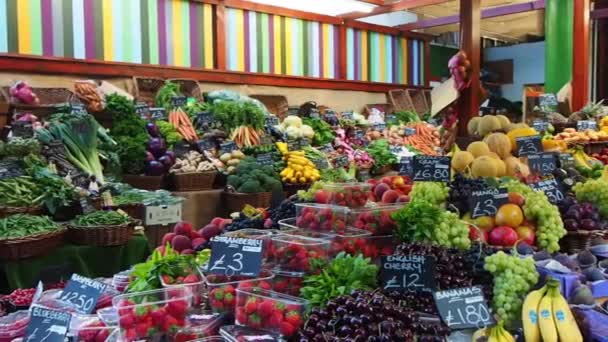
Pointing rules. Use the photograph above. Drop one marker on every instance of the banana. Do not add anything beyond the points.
(494, 335)
(545, 318)
(480, 335)
(567, 328)
(505, 336)
(581, 160)
(529, 315)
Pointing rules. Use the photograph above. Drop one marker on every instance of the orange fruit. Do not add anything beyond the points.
(484, 222)
(509, 215)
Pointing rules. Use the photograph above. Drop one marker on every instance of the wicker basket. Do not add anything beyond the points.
(145, 182)
(145, 88)
(236, 201)
(400, 100)
(193, 181)
(155, 234)
(8, 211)
(418, 100)
(579, 240)
(48, 97)
(113, 235)
(31, 246)
(276, 104)
(189, 87)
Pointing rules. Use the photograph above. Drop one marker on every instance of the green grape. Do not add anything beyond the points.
(513, 279)
(432, 192)
(594, 191)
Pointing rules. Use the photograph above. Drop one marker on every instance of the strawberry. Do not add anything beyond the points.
(264, 285)
(217, 294)
(266, 308)
(142, 313)
(124, 307)
(250, 305)
(294, 318)
(229, 289)
(130, 335)
(126, 321)
(287, 329)
(191, 278)
(158, 316)
(279, 307)
(177, 308)
(240, 316)
(141, 329)
(167, 279)
(170, 325)
(254, 321)
(217, 305)
(281, 285)
(275, 320)
(102, 335)
(229, 299)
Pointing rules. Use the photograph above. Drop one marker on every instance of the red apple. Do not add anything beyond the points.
(503, 236)
(474, 234)
(526, 234)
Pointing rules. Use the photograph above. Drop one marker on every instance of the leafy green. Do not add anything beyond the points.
(168, 132)
(165, 93)
(57, 193)
(20, 147)
(416, 221)
(323, 132)
(379, 151)
(339, 175)
(233, 114)
(405, 116)
(22, 225)
(344, 274)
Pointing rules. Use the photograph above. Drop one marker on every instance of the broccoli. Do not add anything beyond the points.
(234, 181)
(250, 186)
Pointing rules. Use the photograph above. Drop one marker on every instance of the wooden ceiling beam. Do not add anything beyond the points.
(373, 2)
(400, 5)
(485, 14)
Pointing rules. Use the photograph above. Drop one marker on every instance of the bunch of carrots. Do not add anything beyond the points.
(425, 140)
(180, 120)
(245, 136)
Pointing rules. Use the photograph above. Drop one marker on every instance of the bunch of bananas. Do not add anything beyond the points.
(547, 317)
(299, 169)
(585, 164)
(496, 333)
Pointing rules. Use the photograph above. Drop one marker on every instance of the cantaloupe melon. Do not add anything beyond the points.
(504, 122)
(501, 168)
(515, 167)
(516, 126)
(461, 160)
(478, 148)
(472, 125)
(499, 143)
(484, 166)
(493, 155)
(487, 125)
(519, 132)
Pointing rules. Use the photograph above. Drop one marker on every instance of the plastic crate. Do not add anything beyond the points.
(89, 328)
(351, 195)
(219, 286)
(321, 217)
(200, 324)
(236, 333)
(196, 288)
(377, 220)
(249, 233)
(297, 253)
(288, 283)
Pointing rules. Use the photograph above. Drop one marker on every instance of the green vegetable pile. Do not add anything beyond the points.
(344, 274)
(130, 197)
(165, 93)
(250, 177)
(21, 225)
(324, 134)
(403, 117)
(101, 218)
(233, 114)
(20, 192)
(379, 151)
(57, 193)
(20, 147)
(168, 132)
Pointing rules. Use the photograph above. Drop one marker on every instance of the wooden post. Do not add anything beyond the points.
(341, 75)
(468, 103)
(580, 58)
(427, 63)
(220, 36)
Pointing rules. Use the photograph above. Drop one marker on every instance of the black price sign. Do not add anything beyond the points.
(431, 169)
(205, 145)
(293, 145)
(390, 118)
(395, 149)
(228, 147)
(540, 125)
(327, 148)
(348, 116)
(547, 100)
(235, 256)
(22, 129)
(543, 164)
(330, 117)
(341, 161)
(566, 160)
(528, 145)
(463, 308)
(10, 168)
(83, 293)
(78, 109)
(412, 273)
(379, 127)
(359, 134)
(487, 202)
(314, 113)
(409, 131)
(142, 110)
(85, 205)
(586, 124)
(266, 140)
(178, 101)
(264, 159)
(363, 175)
(157, 113)
(304, 142)
(204, 120)
(552, 189)
(406, 167)
(181, 149)
(271, 120)
(47, 325)
(320, 163)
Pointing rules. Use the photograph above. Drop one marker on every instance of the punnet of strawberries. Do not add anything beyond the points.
(298, 253)
(351, 195)
(222, 289)
(321, 217)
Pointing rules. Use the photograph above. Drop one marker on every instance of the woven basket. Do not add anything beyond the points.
(236, 201)
(48, 97)
(145, 182)
(400, 100)
(155, 234)
(145, 88)
(580, 240)
(276, 104)
(193, 181)
(189, 88)
(418, 100)
(8, 211)
(31, 246)
(113, 235)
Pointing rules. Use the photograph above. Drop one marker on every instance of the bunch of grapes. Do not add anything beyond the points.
(451, 231)
(513, 279)
(549, 225)
(434, 193)
(460, 192)
(594, 191)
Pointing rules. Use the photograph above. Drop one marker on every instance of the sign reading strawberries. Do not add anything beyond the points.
(235, 256)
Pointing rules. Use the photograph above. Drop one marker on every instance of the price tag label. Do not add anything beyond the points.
(330, 117)
(327, 148)
(406, 167)
(566, 160)
(163, 214)
(528, 145)
(390, 118)
(157, 113)
(228, 147)
(586, 124)
(548, 100)
(85, 205)
(543, 163)
(205, 145)
(142, 110)
(271, 120)
(203, 120)
(359, 134)
(363, 175)
(78, 109)
(47, 325)
(293, 145)
(179, 101)
(321, 163)
(235, 256)
(22, 129)
(409, 131)
(463, 308)
(431, 169)
(266, 140)
(487, 202)
(411, 273)
(10, 168)
(341, 161)
(304, 142)
(82, 293)
(540, 125)
(551, 187)
(379, 127)
(181, 149)
(314, 113)
(348, 116)
(264, 159)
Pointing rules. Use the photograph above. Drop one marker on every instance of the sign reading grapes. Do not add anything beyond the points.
(413, 273)
(431, 169)
(487, 202)
(463, 308)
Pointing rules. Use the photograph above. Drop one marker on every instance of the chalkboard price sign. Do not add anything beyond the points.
(586, 124)
(82, 293)
(271, 120)
(264, 159)
(379, 127)
(141, 109)
(463, 308)
(293, 145)
(540, 125)
(406, 167)
(409, 131)
(203, 120)
(341, 161)
(566, 160)
(179, 101)
(414, 273)
(22, 129)
(157, 113)
(431, 169)
(487, 202)
(348, 116)
(551, 187)
(528, 145)
(205, 145)
(321, 163)
(235, 256)
(47, 325)
(327, 148)
(228, 147)
(543, 163)
(78, 109)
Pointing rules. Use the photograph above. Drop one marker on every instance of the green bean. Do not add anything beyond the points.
(22, 225)
(101, 218)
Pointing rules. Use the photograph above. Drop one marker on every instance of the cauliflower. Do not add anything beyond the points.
(307, 131)
(292, 120)
(294, 132)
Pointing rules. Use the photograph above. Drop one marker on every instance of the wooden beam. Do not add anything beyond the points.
(101, 69)
(286, 12)
(342, 57)
(485, 14)
(400, 5)
(601, 13)
(470, 31)
(360, 25)
(374, 2)
(580, 60)
(219, 33)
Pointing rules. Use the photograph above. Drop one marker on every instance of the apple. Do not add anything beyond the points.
(474, 234)
(517, 198)
(503, 236)
(526, 234)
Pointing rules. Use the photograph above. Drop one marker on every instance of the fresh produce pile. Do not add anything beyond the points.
(101, 218)
(21, 225)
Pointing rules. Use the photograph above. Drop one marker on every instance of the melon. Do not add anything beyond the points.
(516, 167)
(516, 126)
(461, 160)
(519, 132)
(499, 143)
(484, 166)
(487, 125)
(493, 155)
(501, 168)
(504, 122)
(472, 125)
(478, 149)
